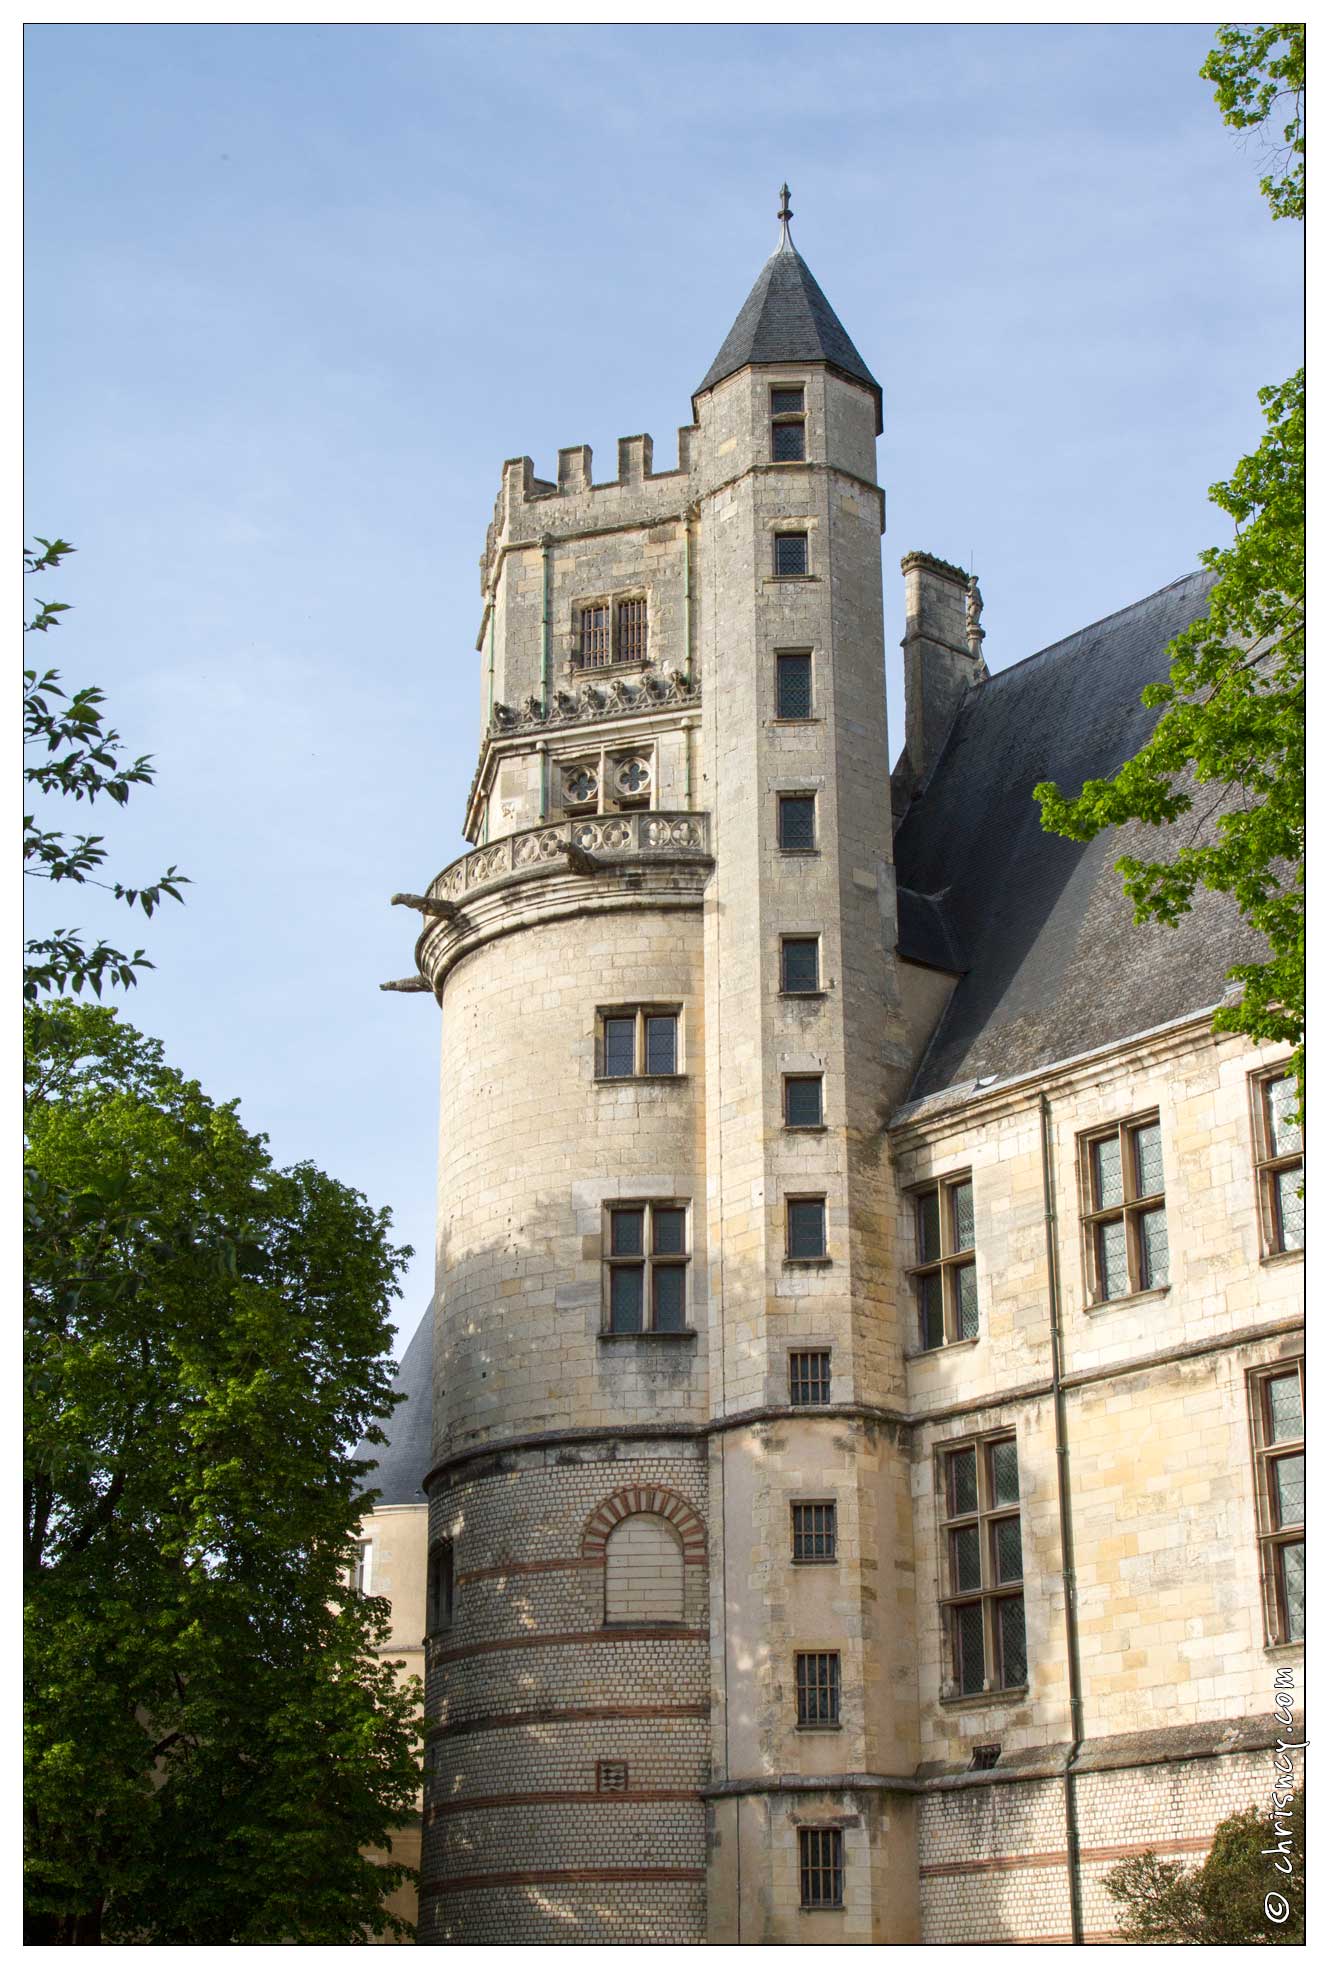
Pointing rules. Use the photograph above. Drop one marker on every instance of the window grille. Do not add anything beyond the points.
(1125, 1223)
(1278, 1428)
(817, 1686)
(810, 1377)
(646, 1264)
(793, 684)
(985, 1756)
(596, 649)
(944, 1274)
(805, 1227)
(632, 631)
(820, 1866)
(791, 553)
(814, 1534)
(983, 1566)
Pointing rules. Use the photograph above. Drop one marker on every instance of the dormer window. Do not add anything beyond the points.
(787, 425)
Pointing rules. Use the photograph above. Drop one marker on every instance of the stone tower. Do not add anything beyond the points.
(668, 1367)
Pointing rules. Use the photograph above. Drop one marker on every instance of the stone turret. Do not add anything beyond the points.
(671, 1034)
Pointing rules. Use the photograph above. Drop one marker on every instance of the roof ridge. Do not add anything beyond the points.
(1099, 622)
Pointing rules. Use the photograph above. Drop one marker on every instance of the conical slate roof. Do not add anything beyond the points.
(787, 318)
(403, 1459)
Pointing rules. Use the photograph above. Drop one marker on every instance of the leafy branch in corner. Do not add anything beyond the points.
(70, 751)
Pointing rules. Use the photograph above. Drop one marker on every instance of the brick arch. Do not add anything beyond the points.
(656, 1501)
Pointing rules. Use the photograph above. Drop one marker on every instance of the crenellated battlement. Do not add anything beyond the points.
(529, 508)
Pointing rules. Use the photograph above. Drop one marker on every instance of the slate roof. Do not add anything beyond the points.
(404, 1459)
(1053, 965)
(787, 318)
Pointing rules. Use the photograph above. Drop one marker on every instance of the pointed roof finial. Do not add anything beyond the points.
(784, 215)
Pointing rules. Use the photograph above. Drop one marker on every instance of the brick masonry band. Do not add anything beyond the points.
(525, 1719)
(661, 1503)
(501, 1800)
(1089, 1855)
(558, 1877)
(593, 1637)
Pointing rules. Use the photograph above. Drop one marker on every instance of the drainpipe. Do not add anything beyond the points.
(489, 705)
(1064, 1520)
(544, 669)
(687, 594)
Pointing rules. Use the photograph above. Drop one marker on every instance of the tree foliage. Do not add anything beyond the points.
(213, 1739)
(1229, 746)
(70, 751)
(1222, 1902)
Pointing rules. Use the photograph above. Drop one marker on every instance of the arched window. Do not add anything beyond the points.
(440, 1586)
(644, 1571)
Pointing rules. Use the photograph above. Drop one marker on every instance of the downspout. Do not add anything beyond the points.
(1064, 1520)
(489, 694)
(544, 669)
(687, 595)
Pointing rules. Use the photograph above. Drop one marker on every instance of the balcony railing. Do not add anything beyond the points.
(637, 835)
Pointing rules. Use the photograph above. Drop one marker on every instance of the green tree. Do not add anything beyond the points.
(70, 751)
(212, 1738)
(1222, 1902)
(1230, 745)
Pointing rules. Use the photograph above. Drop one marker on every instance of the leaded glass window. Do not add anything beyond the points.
(637, 1039)
(793, 684)
(803, 1100)
(1277, 1401)
(791, 553)
(983, 1566)
(800, 964)
(798, 822)
(646, 1261)
(805, 1234)
(1125, 1219)
(945, 1279)
(1280, 1170)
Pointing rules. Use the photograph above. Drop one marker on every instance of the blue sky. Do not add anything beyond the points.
(294, 293)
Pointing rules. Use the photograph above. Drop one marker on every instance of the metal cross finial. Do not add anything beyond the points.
(784, 215)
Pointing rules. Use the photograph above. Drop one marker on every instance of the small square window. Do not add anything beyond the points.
(802, 1100)
(806, 1227)
(793, 684)
(798, 822)
(820, 1866)
(611, 1775)
(800, 968)
(814, 1534)
(791, 553)
(810, 1377)
(787, 402)
(634, 1039)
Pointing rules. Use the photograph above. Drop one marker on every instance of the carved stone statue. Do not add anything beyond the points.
(973, 610)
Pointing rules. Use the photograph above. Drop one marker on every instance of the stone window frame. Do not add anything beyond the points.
(782, 417)
(613, 602)
(817, 1127)
(825, 1530)
(992, 1589)
(806, 1376)
(1271, 1163)
(793, 1199)
(639, 1013)
(818, 1688)
(441, 1586)
(360, 1569)
(602, 763)
(787, 937)
(811, 715)
(783, 800)
(782, 532)
(820, 1868)
(1134, 1206)
(606, 1774)
(648, 1260)
(1273, 1536)
(951, 1259)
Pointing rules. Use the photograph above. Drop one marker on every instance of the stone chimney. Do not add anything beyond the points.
(943, 658)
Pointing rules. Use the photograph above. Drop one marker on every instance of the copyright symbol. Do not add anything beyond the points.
(1276, 1908)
